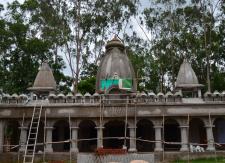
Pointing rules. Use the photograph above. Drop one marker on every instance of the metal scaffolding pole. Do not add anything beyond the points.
(70, 137)
(19, 145)
(44, 138)
(163, 138)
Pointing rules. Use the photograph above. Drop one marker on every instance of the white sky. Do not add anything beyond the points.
(9, 1)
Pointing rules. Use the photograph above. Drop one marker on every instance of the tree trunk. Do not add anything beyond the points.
(161, 83)
(207, 57)
(78, 47)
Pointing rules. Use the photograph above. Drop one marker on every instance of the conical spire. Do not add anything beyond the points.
(186, 77)
(44, 80)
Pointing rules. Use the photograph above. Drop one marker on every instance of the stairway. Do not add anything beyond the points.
(32, 136)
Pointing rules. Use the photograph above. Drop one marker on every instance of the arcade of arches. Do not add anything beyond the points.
(141, 139)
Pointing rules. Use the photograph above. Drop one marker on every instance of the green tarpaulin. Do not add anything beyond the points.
(121, 83)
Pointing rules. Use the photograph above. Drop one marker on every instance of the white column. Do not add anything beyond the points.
(23, 138)
(99, 136)
(48, 146)
(1, 135)
(132, 139)
(184, 138)
(158, 138)
(74, 147)
(210, 138)
(199, 93)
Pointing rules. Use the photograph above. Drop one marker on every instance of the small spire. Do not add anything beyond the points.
(115, 42)
(115, 38)
(44, 81)
(185, 60)
(186, 77)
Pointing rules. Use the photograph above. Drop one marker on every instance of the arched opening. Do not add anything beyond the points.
(172, 134)
(87, 130)
(113, 133)
(145, 131)
(11, 136)
(40, 137)
(61, 132)
(197, 132)
(219, 133)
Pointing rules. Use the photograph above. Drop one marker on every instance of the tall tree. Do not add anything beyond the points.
(78, 28)
(22, 53)
(184, 29)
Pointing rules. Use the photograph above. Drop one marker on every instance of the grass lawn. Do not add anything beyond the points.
(203, 160)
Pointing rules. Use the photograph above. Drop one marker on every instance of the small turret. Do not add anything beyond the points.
(44, 82)
(187, 81)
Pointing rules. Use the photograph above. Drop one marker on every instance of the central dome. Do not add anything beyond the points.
(115, 70)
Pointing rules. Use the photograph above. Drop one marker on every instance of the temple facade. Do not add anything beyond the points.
(116, 116)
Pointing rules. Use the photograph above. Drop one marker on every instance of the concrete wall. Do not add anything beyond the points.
(115, 110)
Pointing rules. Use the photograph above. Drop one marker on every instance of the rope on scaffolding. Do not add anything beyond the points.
(188, 121)
(125, 127)
(163, 123)
(119, 138)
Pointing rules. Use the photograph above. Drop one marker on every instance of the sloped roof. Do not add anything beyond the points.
(186, 77)
(44, 80)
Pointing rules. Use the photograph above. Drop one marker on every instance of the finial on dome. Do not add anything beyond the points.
(115, 42)
(185, 60)
(115, 38)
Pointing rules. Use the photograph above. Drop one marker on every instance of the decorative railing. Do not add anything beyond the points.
(87, 98)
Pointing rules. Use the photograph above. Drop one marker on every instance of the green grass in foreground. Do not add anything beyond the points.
(203, 160)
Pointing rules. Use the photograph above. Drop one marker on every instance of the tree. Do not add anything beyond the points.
(76, 26)
(184, 29)
(22, 53)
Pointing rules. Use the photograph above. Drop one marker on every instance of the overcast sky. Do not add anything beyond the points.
(8, 1)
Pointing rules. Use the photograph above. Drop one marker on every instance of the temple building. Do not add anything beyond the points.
(147, 125)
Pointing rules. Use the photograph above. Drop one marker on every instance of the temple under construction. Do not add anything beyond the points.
(115, 120)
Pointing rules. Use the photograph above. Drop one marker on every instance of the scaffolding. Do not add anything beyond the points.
(102, 104)
(30, 148)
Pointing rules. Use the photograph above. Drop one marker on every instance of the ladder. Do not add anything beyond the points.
(32, 136)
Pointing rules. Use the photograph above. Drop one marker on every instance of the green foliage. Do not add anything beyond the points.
(218, 81)
(187, 30)
(87, 85)
(88, 79)
(22, 53)
(203, 160)
(72, 26)
(35, 31)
